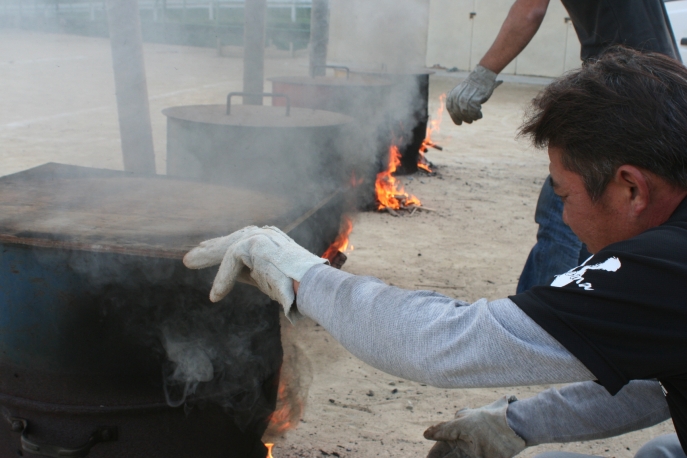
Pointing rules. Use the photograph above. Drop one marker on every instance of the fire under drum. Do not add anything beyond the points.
(109, 346)
(365, 98)
(284, 149)
(411, 85)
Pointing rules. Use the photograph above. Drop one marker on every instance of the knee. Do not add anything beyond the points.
(667, 446)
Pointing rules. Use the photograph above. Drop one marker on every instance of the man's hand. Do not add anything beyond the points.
(476, 433)
(264, 257)
(464, 102)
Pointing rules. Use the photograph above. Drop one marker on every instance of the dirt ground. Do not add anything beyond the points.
(58, 105)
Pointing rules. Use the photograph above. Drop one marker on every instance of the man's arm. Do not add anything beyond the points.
(430, 338)
(582, 411)
(464, 102)
(585, 411)
(521, 24)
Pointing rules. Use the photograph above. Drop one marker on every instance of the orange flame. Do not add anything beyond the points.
(433, 126)
(341, 243)
(269, 450)
(282, 419)
(388, 190)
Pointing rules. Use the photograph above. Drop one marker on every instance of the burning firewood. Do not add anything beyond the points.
(389, 191)
(338, 260)
(424, 149)
(392, 211)
(335, 254)
(432, 127)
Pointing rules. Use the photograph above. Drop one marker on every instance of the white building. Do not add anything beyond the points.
(450, 33)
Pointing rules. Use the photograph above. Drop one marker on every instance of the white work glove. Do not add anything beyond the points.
(464, 102)
(264, 257)
(477, 433)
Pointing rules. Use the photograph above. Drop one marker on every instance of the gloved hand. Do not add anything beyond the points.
(464, 102)
(264, 257)
(476, 433)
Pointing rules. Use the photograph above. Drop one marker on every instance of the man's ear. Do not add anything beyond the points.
(635, 187)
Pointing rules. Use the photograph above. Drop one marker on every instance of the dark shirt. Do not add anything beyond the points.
(623, 313)
(638, 24)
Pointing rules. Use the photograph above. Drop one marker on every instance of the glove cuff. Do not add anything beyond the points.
(298, 268)
(516, 442)
(483, 76)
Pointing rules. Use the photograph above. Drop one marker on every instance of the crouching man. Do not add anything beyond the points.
(616, 132)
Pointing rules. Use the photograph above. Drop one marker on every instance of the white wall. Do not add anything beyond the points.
(457, 38)
(412, 33)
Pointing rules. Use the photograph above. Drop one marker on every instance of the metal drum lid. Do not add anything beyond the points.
(257, 116)
(62, 206)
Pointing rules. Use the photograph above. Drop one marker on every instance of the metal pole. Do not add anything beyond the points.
(254, 50)
(319, 37)
(130, 85)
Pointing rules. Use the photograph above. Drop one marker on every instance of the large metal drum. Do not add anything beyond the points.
(363, 97)
(411, 87)
(99, 319)
(287, 150)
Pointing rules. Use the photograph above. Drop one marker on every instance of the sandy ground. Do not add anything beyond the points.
(58, 105)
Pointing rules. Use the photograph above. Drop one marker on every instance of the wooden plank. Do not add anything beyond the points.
(124, 213)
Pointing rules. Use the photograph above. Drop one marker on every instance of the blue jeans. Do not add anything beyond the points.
(557, 250)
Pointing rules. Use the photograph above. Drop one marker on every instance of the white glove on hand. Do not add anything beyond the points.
(477, 433)
(464, 102)
(264, 257)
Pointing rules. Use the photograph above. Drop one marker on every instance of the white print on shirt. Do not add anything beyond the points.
(577, 274)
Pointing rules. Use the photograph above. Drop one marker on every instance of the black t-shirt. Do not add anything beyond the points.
(639, 24)
(623, 313)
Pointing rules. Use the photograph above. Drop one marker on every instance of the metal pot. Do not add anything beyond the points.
(93, 293)
(361, 97)
(364, 98)
(280, 149)
(411, 85)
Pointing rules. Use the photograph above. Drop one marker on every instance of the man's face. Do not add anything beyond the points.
(597, 224)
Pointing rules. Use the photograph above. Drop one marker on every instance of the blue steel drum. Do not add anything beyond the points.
(92, 287)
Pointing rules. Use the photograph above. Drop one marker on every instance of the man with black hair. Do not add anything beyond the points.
(616, 132)
(638, 24)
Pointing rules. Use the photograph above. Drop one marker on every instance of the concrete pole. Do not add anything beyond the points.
(254, 50)
(319, 37)
(130, 85)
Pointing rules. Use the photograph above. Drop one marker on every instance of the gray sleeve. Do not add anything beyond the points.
(430, 338)
(585, 411)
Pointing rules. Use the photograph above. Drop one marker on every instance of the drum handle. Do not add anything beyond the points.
(262, 94)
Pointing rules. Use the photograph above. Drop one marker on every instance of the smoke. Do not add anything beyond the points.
(148, 322)
(386, 35)
(192, 362)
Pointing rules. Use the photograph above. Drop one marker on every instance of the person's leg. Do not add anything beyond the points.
(666, 446)
(557, 249)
